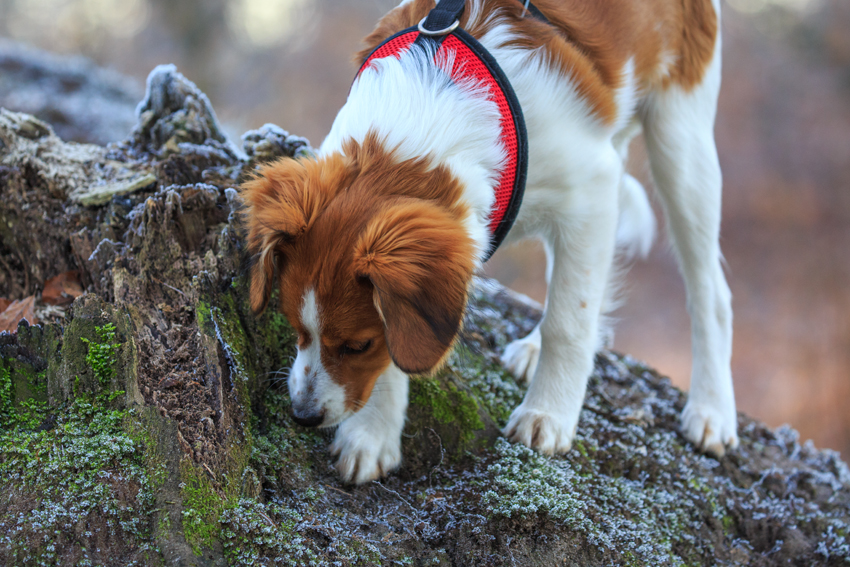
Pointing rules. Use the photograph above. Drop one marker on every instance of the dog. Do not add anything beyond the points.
(374, 242)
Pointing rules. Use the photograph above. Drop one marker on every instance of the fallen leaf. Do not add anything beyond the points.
(62, 289)
(16, 311)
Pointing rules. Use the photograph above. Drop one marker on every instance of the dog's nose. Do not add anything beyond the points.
(309, 420)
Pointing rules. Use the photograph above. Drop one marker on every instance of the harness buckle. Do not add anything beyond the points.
(445, 31)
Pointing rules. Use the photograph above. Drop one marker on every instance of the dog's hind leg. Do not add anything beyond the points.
(522, 355)
(635, 233)
(579, 233)
(679, 131)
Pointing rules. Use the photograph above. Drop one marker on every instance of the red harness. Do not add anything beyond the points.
(472, 61)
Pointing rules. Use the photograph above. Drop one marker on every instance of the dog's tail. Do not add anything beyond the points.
(636, 225)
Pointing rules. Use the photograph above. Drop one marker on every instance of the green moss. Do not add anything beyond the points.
(279, 458)
(7, 396)
(20, 382)
(254, 345)
(251, 346)
(37, 382)
(708, 494)
(493, 386)
(17, 409)
(205, 499)
(137, 429)
(102, 354)
(202, 507)
(204, 316)
(448, 406)
(578, 445)
(76, 485)
(283, 454)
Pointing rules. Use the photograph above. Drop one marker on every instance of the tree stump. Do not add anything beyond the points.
(148, 422)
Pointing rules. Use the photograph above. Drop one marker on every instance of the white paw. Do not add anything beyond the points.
(547, 432)
(365, 452)
(522, 355)
(711, 430)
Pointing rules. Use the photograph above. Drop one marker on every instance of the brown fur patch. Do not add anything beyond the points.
(282, 202)
(420, 261)
(363, 229)
(671, 41)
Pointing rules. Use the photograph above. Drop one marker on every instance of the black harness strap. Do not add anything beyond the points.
(444, 18)
(449, 11)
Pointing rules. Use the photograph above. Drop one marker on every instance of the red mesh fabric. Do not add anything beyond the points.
(466, 65)
(394, 47)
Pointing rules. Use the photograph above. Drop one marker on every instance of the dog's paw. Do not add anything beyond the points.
(544, 431)
(522, 355)
(711, 430)
(364, 453)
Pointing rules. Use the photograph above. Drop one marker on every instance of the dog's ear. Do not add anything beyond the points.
(281, 203)
(420, 261)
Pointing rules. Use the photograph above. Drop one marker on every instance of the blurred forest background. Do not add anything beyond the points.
(783, 134)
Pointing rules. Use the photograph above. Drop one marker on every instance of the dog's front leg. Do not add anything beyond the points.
(368, 443)
(581, 242)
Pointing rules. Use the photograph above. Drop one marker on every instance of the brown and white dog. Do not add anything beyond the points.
(373, 243)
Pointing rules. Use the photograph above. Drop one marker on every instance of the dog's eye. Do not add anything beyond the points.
(354, 348)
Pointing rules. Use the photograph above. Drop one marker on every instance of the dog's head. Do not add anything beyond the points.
(372, 261)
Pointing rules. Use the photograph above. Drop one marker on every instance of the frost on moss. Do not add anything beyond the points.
(250, 534)
(491, 385)
(76, 489)
(274, 534)
(614, 513)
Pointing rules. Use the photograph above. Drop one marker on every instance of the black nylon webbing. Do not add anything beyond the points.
(444, 15)
(447, 11)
